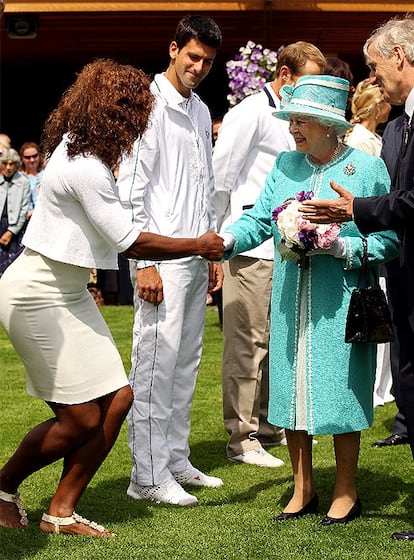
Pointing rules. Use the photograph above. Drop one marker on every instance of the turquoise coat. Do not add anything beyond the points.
(338, 377)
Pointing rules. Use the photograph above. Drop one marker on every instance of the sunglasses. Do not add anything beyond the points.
(34, 156)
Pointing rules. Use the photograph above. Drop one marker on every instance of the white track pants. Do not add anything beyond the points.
(166, 353)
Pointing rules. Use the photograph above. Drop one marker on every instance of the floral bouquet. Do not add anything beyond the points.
(300, 236)
(250, 70)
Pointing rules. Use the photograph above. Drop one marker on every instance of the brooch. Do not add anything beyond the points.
(349, 169)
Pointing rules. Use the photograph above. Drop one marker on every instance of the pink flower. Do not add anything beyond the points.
(299, 236)
(327, 233)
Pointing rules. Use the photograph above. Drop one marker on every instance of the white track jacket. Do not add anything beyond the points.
(168, 181)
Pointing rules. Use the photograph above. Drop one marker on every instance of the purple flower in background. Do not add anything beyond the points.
(249, 71)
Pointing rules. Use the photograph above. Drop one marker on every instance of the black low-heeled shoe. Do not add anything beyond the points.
(352, 514)
(310, 507)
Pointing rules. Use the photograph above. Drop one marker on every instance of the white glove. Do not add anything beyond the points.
(228, 240)
(337, 249)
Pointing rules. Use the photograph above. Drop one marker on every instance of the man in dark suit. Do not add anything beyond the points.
(393, 153)
(389, 53)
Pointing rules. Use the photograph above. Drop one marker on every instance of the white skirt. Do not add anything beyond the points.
(58, 331)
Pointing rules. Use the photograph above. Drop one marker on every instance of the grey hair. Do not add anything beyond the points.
(337, 128)
(10, 155)
(396, 31)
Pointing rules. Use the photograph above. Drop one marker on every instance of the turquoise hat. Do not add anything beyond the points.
(316, 96)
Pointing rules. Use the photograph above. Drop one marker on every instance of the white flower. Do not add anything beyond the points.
(287, 224)
(299, 236)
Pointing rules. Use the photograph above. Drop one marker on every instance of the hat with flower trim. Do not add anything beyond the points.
(316, 96)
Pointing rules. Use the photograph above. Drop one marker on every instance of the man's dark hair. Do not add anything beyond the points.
(201, 28)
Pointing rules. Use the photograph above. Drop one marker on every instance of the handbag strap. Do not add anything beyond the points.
(365, 269)
(364, 272)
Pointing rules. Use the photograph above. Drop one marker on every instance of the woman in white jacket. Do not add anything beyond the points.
(53, 322)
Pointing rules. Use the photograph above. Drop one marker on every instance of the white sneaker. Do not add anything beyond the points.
(194, 477)
(258, 457)
(169, 493)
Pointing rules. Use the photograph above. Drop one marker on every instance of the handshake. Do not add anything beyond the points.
(210, 246)
(152, 246)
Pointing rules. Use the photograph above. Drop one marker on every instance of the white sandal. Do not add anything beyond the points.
(15, 499)
(58, 522)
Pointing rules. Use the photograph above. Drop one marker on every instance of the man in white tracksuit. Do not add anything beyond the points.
(249, 140)
(168, 185)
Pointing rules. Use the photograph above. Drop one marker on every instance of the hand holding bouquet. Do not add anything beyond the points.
(299, 236)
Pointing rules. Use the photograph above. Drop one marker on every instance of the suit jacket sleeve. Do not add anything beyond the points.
(391, 211)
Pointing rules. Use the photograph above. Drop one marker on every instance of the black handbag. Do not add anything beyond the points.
(369, 318)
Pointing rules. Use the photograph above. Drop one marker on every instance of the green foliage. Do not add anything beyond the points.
(232, 522)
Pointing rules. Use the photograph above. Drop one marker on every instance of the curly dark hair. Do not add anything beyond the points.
(104, 112)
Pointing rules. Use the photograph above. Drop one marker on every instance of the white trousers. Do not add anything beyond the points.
(166, 353)
(383, 376)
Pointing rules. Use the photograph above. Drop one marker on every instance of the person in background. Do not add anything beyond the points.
(5, 144)
(250, 139)
(50, 317)
(14, 204)
(335, 66)
(167, 187)
(389, 54)
(215, 127)
(369, 111)
(96, 293)
(340, 68)
(32, 166)
(318, 383)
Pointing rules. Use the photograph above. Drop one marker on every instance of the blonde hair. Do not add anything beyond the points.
(296, 55)
(365, 99)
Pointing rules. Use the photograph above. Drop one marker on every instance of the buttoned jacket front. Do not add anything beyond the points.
(17, 194)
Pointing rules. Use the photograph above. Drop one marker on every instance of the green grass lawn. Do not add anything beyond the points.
(231, 522)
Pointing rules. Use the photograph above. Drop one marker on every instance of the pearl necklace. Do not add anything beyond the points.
(337, 151)
(315, 183)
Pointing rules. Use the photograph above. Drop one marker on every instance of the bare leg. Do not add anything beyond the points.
(300, 451)
(44, 444)
(82, 434)
(346, 454)
(81, 463)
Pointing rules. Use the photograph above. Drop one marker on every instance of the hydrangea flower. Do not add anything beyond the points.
(300, 236)
(250, 70)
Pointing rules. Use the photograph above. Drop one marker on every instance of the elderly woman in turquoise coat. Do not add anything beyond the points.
(318, 383)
